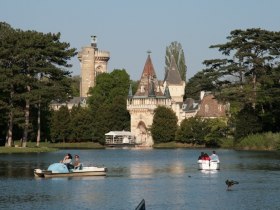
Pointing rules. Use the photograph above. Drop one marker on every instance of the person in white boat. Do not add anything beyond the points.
(77, 162)
(201, 156)
(214, 156)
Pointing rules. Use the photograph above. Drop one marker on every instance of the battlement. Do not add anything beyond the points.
(102, 55)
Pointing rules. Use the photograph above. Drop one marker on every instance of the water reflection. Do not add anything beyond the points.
(209, 171)
(141, 170)
(166, 179)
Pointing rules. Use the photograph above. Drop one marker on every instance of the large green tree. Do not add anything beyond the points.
(35, 61)
(175, 49)
(164, 125)
(107, 103)
(248, 75)
(250, 56)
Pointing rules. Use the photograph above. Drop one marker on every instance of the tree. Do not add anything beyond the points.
(107, 103)
(201, 81)
(60, 124)
(175, 49)
(192, 131)
(247, 122)
(164, 125)
(34, 61)
(81, 126)
(252, 54)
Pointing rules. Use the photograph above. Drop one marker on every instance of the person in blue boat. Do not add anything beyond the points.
(214, 156)
(67, 160)
(77, 163)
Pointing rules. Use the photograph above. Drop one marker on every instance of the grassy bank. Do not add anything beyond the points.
(82, 145)
(48, 147)
(26, 150)
(174, 144)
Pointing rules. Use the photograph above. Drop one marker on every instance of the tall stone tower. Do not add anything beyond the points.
(142, 104)
(92, 62)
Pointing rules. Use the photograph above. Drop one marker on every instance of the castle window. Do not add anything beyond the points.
(142, 89)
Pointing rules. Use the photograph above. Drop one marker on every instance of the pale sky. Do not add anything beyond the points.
(129, 28)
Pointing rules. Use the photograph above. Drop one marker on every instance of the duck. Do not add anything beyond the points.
(230, 183)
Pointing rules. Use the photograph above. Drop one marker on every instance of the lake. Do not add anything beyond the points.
(165, 178)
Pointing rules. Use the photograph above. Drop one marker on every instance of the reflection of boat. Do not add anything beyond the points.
(208, 164)
(61, 170)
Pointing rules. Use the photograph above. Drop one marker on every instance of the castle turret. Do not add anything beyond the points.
(92, 62)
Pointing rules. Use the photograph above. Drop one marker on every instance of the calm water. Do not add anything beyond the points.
(166, 179)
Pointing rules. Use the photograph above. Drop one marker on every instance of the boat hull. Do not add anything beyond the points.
(208, 165)
(86, 171)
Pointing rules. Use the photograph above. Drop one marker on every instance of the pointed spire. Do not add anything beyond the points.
(148, 83)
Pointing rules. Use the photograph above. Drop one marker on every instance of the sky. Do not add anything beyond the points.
(130, 28)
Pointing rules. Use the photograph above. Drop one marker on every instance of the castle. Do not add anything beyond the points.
(151, 93)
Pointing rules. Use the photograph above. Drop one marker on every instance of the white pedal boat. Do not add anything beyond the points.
(61, 170)
(208, 164)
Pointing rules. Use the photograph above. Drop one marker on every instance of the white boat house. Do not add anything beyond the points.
(119, 138)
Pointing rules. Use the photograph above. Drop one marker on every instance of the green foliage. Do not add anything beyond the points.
(264, 141)
(218, 132)
(247, 122)
(192, 131)
(107, 103)
(60, 124)
(199, 82)
(199, 131)
(81, 126)
(75, 86)
(164, 125)
(31, 68)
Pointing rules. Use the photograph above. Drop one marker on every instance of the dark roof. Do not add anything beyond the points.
(173, 76)
(190, 105)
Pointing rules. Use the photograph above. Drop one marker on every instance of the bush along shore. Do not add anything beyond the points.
(265, 141)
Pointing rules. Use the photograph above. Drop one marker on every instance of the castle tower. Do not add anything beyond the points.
(174, 82)
(141, 106)
(92, 62)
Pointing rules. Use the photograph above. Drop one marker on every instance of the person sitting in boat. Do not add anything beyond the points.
(67, 160)
(206, 157)
(201, 156)
(77, 163)
(214, 156)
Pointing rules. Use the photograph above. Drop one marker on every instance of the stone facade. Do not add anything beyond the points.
(141, 106)
(92, 62)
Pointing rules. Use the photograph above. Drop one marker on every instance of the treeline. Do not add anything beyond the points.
(106, 111)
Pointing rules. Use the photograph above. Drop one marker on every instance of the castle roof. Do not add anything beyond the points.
(148, 84)
(173, 76)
